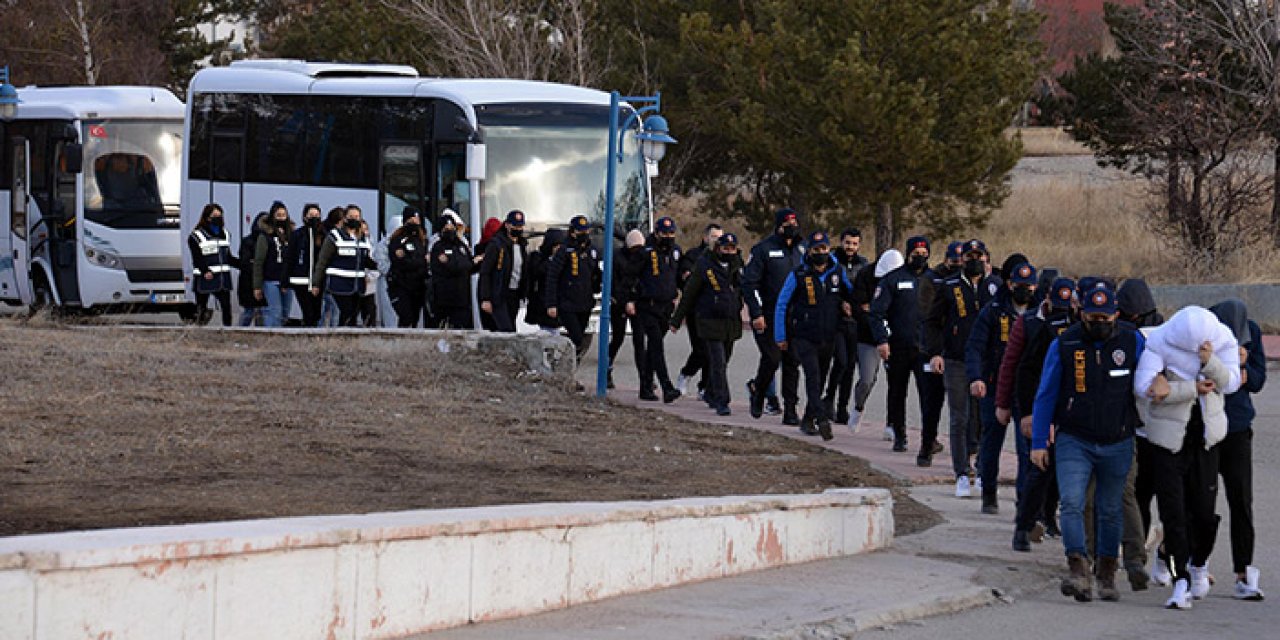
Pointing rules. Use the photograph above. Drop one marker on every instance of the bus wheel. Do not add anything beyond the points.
(41, 294)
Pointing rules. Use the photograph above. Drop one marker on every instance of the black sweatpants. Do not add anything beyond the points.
(843, 364)
(1235, 464)
(771, 357)
(575, 323)
(1186, 489)
(409, 304)
(717, 371)
(348, 309)
(452, 318)
(932, 389)
(903, 362)
(369, 310)
(224, 305)
(311, 305)
(505, 309)
(655, 322)
(815, 359)
(698, 356)
(1036, 495)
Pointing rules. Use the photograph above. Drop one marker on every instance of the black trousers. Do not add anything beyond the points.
(452, 318)
(1035, 495)
(698, 357)
(575, 323)
(617, 331)
(905, 360)
(348, 309)
(655, 322)
(716, 371)
(311, 305)
(368, 308)
(409, 304)
(771, 357)
(843, 365)
(1235, 464)
(505, 309)
(815, 359)
(1186, 489)
(224, 305)
(932, 389)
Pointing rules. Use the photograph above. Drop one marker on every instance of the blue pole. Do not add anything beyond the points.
(602, 360)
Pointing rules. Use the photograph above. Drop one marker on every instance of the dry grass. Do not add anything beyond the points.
(1047, 141)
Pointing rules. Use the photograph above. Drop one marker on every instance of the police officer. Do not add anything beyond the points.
(653, 303)
(573, 279)
(809, 307)
(895, 327)
(211, 263)
(452, 264)
(932, 390)
(1086, 393)
(344, 261)
(713, 293)
(304, 246)
(697, 359)
(845, 361)
(772, 261)
(407, 278)
(503, 282)
(982, 357)
(954, 309)
(1040, 328)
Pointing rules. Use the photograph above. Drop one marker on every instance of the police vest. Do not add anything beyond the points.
(721, 297)
(345, 273)
(1095, 396)
(216, 251)
(815, 304)
(658, 275)
(300, 270)
(575, 291)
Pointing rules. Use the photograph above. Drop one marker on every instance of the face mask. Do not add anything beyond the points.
(215, 225)
(725, 257)
(1023, 295)
(411, 226)
(974, 268)
(583, 240)
(449, 234)
(666, 243)
(515, 233)
(818, 259)
(312, 222)
(1099, 331)
(790, 232)
(280, 224)
(353, 225)
(918, 263)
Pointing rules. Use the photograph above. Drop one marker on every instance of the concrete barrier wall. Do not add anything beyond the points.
(1263, 300)
(396, 574)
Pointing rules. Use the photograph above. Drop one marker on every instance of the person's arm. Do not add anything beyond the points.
(975, 349)
(780, 311)
(751, 276)
(322, 261)
(1224, 365)
(934, 323)
(551, 288)
(688, 297)
(1009, 364)
(1256, 363)
(879, 312)
(259, 260)
(487, 267)
(1046, 404)
(198, 264)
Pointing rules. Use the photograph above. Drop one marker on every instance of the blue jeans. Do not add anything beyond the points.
(329, 311)
(279, 303)
(992, 442)
(1077, 460)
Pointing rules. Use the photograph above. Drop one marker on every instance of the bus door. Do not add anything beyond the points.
(451, 188)
(226, 186)
(400, 180)
(15, 259)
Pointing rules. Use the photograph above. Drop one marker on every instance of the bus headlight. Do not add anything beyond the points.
(104, 259)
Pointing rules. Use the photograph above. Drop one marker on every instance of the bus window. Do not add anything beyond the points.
(401, 182)
(451, 179)
(132, 173)
(64, 188)
(18, 201)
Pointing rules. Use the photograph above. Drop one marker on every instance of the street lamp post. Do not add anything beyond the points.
(8, 96)
(653, 138)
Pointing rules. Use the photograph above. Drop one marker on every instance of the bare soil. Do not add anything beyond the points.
(110, 427)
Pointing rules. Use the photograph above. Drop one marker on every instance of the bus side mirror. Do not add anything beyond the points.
(72, 157)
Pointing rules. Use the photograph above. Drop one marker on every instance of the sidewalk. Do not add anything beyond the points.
(963, 563)
(868, 444)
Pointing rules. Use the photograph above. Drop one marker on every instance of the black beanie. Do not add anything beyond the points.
(781, 215)
(916, 242)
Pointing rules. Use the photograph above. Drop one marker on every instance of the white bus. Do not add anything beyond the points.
(381, 137)
(89, 186)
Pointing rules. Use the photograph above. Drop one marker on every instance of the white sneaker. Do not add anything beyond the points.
(977, 484)
(888, 433)
(1181, 598)
(962, 487)
(1160, 571)
(1199, 581)
(855, 417)
(1248, 590)
(682, 384)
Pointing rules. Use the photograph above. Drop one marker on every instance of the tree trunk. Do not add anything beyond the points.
(82, 24)
(885, 233)
(1275, 195)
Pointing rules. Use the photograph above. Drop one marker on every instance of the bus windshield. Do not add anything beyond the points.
(549, 161)
(132, 174)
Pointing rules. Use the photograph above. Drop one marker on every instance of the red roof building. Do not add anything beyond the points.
(1074, 28)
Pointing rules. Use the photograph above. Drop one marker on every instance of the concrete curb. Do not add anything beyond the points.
(392, 575)
(850, 626)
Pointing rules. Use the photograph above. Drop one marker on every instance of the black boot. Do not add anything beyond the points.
(990, 505)
(1021, 542)
(789, 417)
(807, 428)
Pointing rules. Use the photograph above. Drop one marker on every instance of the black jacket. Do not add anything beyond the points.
(955, 307)
(1038, 334)
(300, 256)
(408, 272)
(772, 260)
(573, 279)
(689, 260)
(864, 289)
(713, 295)
(451, 279)
(852, 266)
(895, 309)
(658, 273)
(495, 269)
(626, 275)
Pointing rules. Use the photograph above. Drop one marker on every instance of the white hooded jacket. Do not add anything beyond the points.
(1173, 349)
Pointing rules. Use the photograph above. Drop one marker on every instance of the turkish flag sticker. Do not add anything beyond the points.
(97, 131)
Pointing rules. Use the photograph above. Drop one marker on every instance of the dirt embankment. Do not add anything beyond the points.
(108, 428)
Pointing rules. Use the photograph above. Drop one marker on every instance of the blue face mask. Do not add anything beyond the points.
(216, 228)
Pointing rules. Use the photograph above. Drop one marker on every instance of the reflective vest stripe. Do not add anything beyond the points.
(214, 268)
(299, 280)
(345, 273)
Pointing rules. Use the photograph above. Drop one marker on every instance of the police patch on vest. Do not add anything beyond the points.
(775, 254)
(1118, 357)
(835, 280)
(991, 288)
